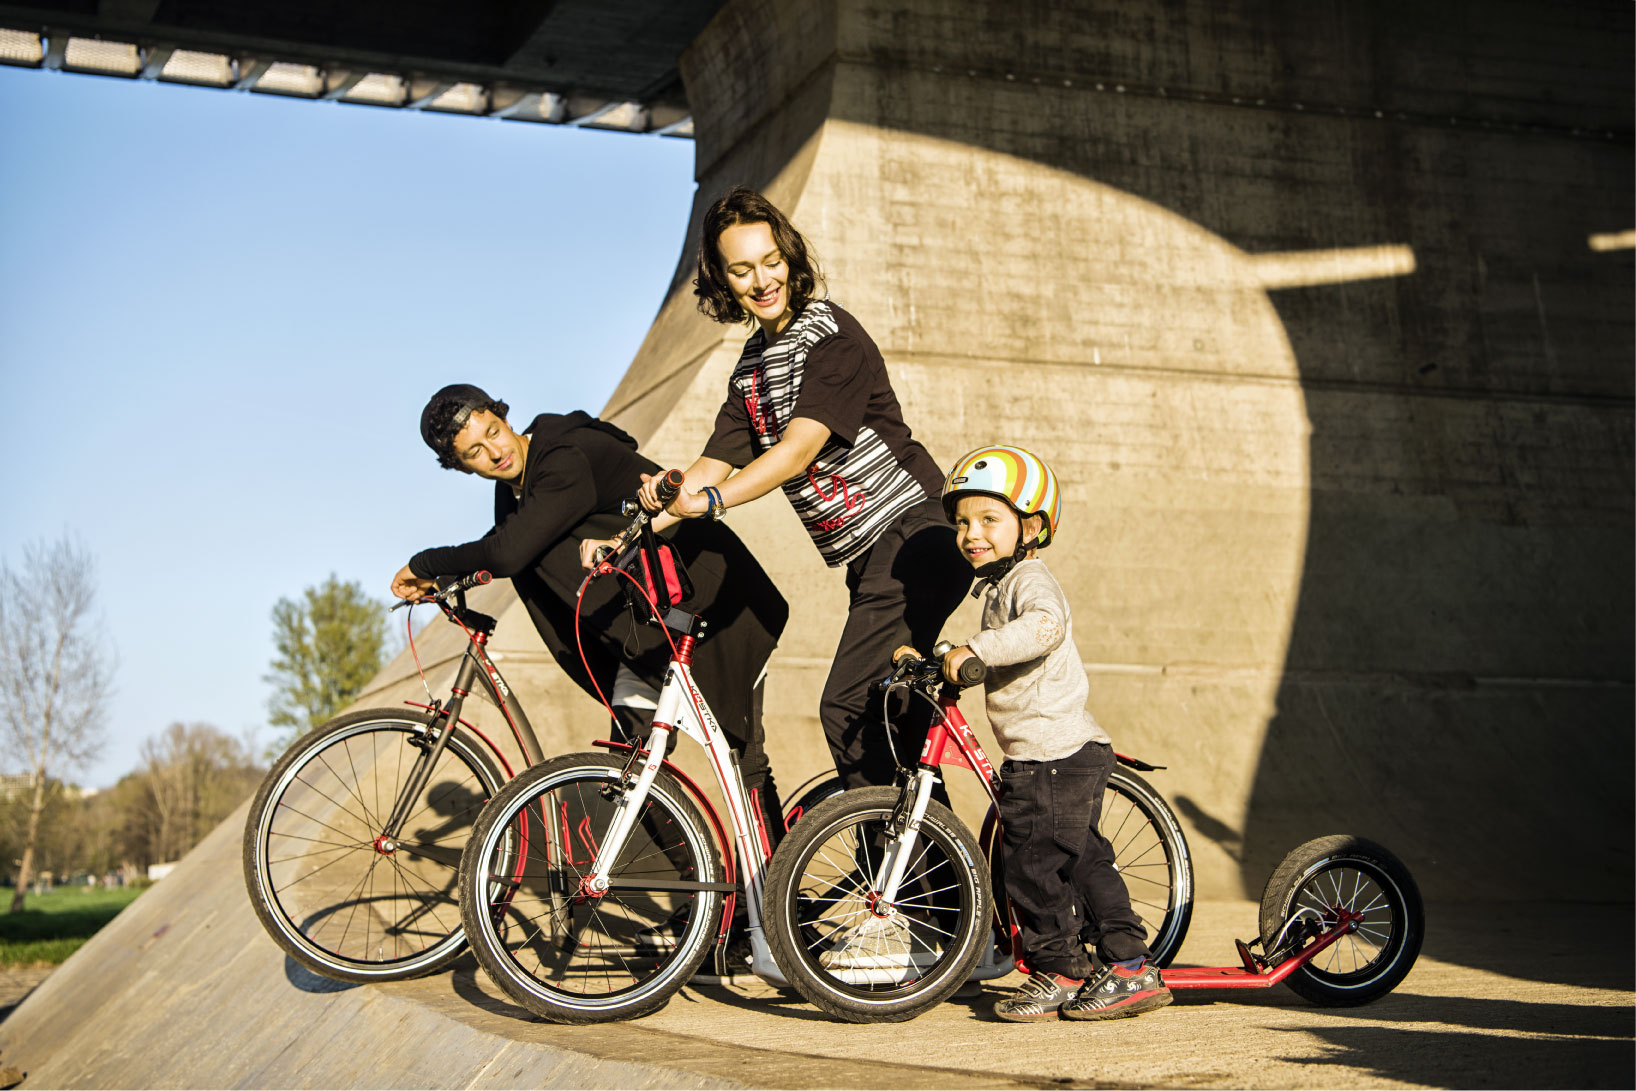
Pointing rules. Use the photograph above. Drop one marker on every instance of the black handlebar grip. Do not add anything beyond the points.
(669, 486)
(973, 671)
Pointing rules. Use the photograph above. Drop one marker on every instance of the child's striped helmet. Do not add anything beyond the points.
(1020, 478)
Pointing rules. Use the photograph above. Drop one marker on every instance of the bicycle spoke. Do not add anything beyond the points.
(286, 887)
(314, 852)
(337, 804)
(431, 904)
(346, 745)
(316, 821)
(353, 913)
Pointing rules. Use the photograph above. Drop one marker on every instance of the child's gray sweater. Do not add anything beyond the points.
(1036, 685)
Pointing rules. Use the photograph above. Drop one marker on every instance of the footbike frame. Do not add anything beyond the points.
(951, 741)
(683, 708)
(475, 666)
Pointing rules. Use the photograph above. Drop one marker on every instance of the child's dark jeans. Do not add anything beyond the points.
(1059, 870)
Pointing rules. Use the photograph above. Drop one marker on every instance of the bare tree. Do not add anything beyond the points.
(55, 672)
(196, 774)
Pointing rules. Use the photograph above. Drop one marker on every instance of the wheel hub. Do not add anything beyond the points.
(385, 845)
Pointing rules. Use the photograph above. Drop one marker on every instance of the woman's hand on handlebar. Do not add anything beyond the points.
(686, 505)
(952, 661)
(407, 585)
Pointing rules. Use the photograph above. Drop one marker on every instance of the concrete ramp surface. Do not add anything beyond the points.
(183, 989)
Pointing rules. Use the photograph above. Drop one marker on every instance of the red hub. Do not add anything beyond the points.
(385, 845)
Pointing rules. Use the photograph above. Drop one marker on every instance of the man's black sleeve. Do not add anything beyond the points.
(835, 386)
(554, 503)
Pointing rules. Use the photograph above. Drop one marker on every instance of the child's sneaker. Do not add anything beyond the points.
(1118, 993)
(1042, 996)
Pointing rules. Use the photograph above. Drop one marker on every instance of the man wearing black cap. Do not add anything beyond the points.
(560, 481)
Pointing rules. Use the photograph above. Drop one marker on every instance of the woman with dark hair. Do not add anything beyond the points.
(810, 409)
(562, 480)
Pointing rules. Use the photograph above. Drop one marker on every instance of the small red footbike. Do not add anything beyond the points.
(881, 902)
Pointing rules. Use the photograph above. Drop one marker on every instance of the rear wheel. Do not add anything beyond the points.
(328, 889)
(1150, 853)
(568, 956)
(1336, 873)
(820, 888)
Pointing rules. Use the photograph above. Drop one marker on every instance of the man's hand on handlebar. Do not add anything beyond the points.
(407, 585)
(686, 505)
(588, 551)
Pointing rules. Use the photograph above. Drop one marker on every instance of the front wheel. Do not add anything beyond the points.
(330, 889)
(1150, 854)
(849, 960)
(1357, 875)
(573, 957)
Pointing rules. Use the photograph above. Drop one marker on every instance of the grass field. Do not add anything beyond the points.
(54, 925)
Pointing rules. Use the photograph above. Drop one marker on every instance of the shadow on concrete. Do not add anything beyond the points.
(309, 982)
(464, 982)
(785, 1003)
(1509, 1016)
(1454, 1059)
(1458, 680)
(1585, 945)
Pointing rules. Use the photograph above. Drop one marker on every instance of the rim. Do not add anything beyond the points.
(835, 877)
(334, 891)
(1143, 859)
(591, 952)
(1357, 887)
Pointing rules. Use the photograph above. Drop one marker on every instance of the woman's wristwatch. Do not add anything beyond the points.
(717, 509)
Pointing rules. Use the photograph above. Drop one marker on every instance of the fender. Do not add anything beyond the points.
(495, 750)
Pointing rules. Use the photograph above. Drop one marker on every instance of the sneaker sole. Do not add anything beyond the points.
(1017, 1017)
(1133, 1007)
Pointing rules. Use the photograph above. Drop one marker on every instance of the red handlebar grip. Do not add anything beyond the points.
(482, 578)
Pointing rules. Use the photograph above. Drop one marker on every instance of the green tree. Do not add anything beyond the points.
(329, 644)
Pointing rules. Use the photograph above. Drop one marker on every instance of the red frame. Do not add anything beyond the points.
(951, 741)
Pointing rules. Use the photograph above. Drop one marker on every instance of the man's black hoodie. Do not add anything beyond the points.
(578, 471)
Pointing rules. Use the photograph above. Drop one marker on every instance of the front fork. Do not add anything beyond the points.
(431, 746)
(902, 832)
(637, 780)
(634, 784)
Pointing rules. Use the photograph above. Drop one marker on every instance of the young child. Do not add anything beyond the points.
(1059, 871)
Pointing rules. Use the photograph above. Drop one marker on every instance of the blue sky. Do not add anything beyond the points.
(222, 312)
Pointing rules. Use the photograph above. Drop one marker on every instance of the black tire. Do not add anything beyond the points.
(1356, 874)
(1150, 851)
(816, 885)
(324, 893)
(572, 959)
(1151, 854)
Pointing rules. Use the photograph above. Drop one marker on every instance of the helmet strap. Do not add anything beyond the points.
(994, 571)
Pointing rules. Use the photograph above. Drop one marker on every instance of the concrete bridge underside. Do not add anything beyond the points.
(1324, 316)
(1322, 312)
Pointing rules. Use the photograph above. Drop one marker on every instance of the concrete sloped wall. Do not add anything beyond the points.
(1301, 308)
(183, 989)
